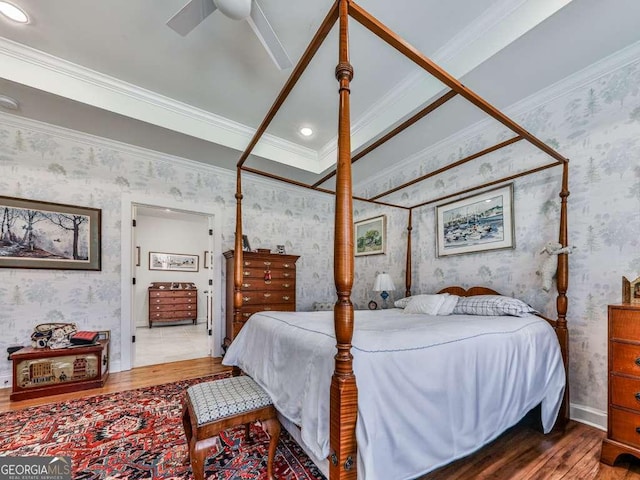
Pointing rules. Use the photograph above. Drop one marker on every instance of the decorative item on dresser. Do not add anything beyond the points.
(623, 414)
(268, 283)
(172, 302)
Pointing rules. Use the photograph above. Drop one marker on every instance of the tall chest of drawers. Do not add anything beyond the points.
(623, 414)
(268, 283)
(173, 301)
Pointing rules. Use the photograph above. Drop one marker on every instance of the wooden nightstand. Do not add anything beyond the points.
(623, 415)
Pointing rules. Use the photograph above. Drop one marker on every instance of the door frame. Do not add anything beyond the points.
(126, 266)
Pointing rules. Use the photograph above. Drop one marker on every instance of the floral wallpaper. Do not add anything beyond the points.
(42, 163)
(596, 125)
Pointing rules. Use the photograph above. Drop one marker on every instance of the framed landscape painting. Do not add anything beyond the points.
(47, 235)
(477, 223)
(370, 236)
(176, 262)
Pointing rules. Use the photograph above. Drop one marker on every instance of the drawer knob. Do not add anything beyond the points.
(247, 263)
(267, 295)
(267, 263)
(246, 274)
(286, 265)
(246, 299)
(246, 315)
(285, 298)
(637, 429)
(637, 361)
(286, 285)
(286, 275)
(246, 285)
(637, 395)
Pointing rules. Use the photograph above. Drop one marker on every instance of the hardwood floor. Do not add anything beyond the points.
(522, 453)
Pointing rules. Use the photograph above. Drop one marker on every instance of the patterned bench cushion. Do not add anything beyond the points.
(225, 398)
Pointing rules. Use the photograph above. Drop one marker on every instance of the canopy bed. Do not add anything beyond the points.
(345, 403)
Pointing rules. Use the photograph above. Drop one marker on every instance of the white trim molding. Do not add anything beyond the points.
(589, 416)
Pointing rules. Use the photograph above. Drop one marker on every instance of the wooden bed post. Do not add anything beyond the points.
(238, 257)
(344, 393)
(562, 279)
(407, 276)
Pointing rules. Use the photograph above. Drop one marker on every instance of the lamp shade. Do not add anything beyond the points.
(383, 283)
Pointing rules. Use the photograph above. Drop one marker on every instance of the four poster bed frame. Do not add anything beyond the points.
(344, 393)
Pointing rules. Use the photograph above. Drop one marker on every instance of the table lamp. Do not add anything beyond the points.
(384, 284)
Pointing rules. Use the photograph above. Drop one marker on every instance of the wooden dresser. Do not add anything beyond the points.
(623, 429)
(268, 283)
(172, 302)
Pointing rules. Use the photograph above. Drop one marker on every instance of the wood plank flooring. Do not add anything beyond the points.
(521, 453)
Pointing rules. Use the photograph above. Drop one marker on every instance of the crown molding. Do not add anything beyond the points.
(46, 72)
(618, 60)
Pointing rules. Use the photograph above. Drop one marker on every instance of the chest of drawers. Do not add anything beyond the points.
(623, 414)
(171, 302)
(268, 283)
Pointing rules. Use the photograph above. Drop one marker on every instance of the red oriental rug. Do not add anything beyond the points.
(138, 435)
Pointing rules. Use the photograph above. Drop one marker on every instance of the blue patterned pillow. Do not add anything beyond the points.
(492, 305)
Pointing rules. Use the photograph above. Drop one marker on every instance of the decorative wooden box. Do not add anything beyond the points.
(42, 371)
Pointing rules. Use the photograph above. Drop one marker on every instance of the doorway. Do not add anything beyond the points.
(162, 333)
(135, 263)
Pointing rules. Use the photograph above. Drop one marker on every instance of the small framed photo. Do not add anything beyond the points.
(104, 334)
(245, 244)
(280, 249)
(370, 236)
(635, 291)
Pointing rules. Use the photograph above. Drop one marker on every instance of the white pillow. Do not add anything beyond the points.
(450, 302)
(427, 304)
(402, 302)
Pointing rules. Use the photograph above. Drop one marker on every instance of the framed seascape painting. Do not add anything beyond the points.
(370, 236)
(48, 235)
(176, 262)
(477, 223)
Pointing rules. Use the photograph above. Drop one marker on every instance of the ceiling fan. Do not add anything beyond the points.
(196, 11)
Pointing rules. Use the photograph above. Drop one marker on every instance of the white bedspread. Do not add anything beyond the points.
(430, 389)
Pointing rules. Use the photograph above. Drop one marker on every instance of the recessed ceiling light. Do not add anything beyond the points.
(9, 103)
(12, 12)
(306, 132)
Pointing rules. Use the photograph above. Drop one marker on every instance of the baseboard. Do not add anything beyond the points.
(589, 416)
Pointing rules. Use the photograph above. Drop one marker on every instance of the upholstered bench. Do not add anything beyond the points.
(212, 407)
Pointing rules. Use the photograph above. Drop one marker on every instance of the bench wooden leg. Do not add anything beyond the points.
(272, 427)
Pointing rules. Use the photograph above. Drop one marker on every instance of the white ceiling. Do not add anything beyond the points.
(115, 69)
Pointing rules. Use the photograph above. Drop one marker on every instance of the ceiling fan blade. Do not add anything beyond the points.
(268, 37)
(191, 15)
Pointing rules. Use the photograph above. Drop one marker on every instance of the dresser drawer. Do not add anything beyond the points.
(625, 358)
(173, 315)
(625, 392)
(625, 426)
(172, 308)
(624, 324)
(251, 284)
(259, 274)
(268, 297)
(173, 293)
(278, 307)
(172, 300)
(270, 264)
